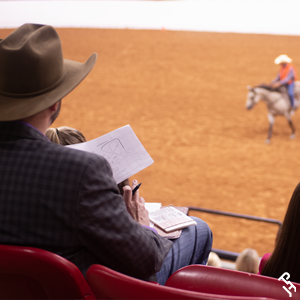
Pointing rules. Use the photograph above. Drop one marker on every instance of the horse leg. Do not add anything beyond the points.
(292, 136)
(271, 122)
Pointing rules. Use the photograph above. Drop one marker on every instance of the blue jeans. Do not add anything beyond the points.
(290, 89)
(192, 247)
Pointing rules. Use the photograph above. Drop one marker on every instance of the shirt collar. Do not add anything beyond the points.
(29, 125)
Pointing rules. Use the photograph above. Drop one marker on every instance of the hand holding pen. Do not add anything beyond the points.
(136, 188)
(136, 205)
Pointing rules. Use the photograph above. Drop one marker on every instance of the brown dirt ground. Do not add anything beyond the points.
(184, 95)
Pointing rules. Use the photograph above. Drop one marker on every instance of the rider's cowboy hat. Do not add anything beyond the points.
(283, 58)
(33, 73)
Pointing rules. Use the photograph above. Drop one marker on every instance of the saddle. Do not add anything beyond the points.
(282, 90)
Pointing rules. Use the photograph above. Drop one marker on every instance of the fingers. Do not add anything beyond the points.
(142, 213)
(142, 200)
(140, 207)
(126, 188)
(135, 205)
(127, 193)
(134, 183)
(127, 196)
(136, 194)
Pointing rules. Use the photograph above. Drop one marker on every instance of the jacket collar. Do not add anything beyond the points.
(17, 130)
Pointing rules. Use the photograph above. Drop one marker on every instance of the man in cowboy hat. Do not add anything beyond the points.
(61, 199)
(286, 76)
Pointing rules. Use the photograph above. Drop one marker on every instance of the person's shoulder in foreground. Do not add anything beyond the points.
(263, 261)
(52, 197)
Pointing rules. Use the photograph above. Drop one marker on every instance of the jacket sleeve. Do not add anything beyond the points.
(276, 79)
(108, 231)
(289, 76)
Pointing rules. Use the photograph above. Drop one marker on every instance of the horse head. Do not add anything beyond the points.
(252, 97)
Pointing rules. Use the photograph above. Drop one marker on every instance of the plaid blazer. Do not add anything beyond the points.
(67, 201)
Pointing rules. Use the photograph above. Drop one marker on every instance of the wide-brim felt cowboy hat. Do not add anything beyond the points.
(33, 73)
(283, 58)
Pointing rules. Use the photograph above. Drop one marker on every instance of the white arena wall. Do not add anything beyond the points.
(240, 16)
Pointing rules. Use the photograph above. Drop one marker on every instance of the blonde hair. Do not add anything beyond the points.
(65, 136)
(214, 260)
(248, 261)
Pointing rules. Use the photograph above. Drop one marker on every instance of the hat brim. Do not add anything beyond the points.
(286, 60)
(19, 108)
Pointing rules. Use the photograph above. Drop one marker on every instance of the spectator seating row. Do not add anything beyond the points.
(31, 273)
(207, 279)
(119, 286)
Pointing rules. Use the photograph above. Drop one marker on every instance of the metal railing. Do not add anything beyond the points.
(224, 254)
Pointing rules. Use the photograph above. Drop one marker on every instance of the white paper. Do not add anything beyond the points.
(122, 149)
(170, 219)
(152, 206)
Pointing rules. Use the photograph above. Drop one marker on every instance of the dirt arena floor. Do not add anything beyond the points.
(184, 95)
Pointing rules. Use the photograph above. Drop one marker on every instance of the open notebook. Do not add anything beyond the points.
(168, 220)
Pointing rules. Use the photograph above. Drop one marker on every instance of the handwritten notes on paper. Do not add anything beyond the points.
(122, 149)
(170, 219)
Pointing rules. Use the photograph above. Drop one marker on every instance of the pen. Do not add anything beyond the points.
(136, 188)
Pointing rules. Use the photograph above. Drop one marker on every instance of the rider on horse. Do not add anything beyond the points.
(286, 76)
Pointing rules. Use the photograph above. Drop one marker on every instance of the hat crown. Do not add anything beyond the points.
(283, 58)
(31, 60)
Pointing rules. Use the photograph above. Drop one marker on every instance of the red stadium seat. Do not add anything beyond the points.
(207, 279)
(31, 273)
(109, 284)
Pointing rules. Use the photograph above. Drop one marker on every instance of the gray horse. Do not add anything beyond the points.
(277, 102)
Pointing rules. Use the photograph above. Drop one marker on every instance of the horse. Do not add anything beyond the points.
(278, 104)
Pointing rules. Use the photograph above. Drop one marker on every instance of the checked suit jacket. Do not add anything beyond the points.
(67, 201)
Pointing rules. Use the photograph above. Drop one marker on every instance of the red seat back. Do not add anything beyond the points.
(109, 284)
(31, 273)
(213, 280)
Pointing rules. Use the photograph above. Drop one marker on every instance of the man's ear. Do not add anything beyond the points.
(54, 107)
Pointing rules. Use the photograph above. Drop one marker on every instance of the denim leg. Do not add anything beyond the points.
(291, 93)
(192, 247)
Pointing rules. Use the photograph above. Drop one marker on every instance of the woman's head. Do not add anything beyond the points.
(285, 257)
(65, 136)
(248, 261)
(214, 260)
